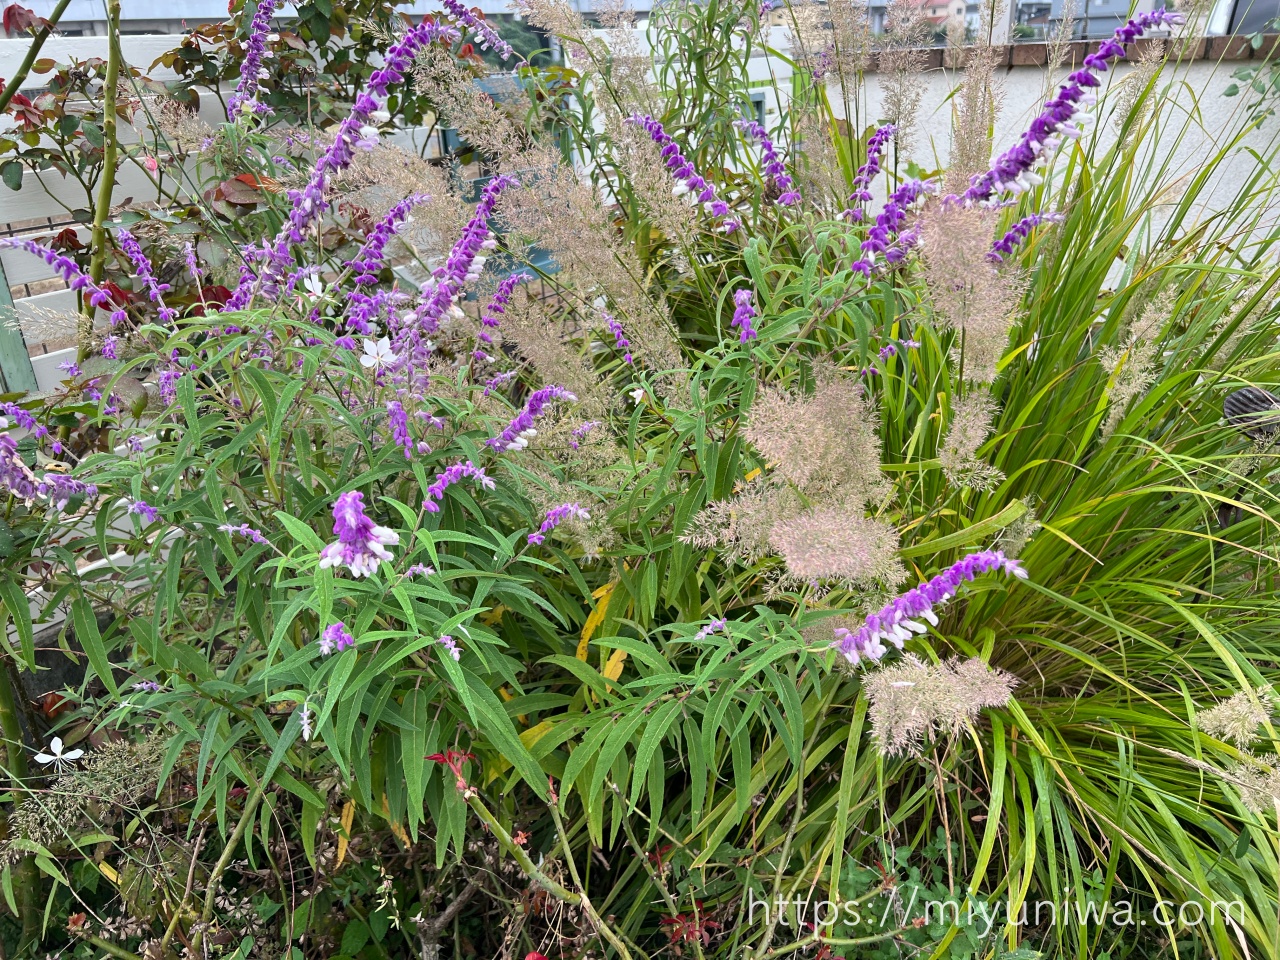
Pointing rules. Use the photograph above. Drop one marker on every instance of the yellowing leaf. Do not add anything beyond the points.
(493, 616)
(348, 816)
(528, 738)
(613, 669)
(110, 873)
(603, 595)
(752, 475)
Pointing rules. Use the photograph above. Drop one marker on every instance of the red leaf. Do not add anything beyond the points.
(67, 239)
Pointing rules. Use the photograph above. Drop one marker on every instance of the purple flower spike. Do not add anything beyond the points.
(489, 38)
(497, 308)
(744, 312)
(448, 477)
(1017, 233)
(400, 427)
(252, 73)
(557, 516)
(887, 237)
(688, 179)
(58, 488)
(370, 259)
(899, 620)
(868, 172)
(244, 530)
(773, 167)
(715, 626)
(520, 429)
(360, 543)
(619, 336)
(141, 508)
(67, 269)
(335, 639)
(147, 686)
(1014, 171)
(142, 266)
(451, 646)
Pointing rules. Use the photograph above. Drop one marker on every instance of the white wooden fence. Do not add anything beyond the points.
(43, 207)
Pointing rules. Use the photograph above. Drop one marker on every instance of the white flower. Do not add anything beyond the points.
(57, 757)
(637, 395)
(377, 354)
(313, 285)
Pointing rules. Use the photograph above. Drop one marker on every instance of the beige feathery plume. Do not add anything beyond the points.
(971, 419)
(1238, 718)
(912, 701)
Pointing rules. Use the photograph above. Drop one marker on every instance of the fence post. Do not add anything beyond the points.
(16, 373)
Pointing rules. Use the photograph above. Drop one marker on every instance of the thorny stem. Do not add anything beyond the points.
(672, 907)
(596, 920)
(521, 858)
(110, 152)
(25, 873)
(24, 68)
(215, 878)
(108, 948)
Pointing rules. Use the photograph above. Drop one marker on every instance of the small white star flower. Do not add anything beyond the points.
(637, 395)
(57, 756)
(377, 354)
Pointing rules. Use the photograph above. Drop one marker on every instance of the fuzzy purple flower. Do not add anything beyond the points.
(498, 380)
(420, 570)
(1014, 171)
(450, 645)
(773, 167)
(370, 260)
(868, 172)
(252, 73)
(897, 621)
(744, 312)
(310, 203)
(448, 477)
(142, 269)
(193, 265)
(69, 271)
(306, 721)
(492, 314)
(399, 420)
(360, 543)
(70, 368)
(489, 38)
(619, 336)
(15, 475)
(141, 508)
(555, 517)
(243, 530)
(147, 686)
(580, 433)
(60, 489)
(715, 626)
(1018, 233)
(520, 429)
(688, 180)
(335, 639)
(465, 261)
(887, 237)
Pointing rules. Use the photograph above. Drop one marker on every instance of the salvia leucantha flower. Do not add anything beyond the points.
(517, 433)
(897, 621)
(688, 180)
(774, 168)
(868, 172)
(361, 543)
(489, 39)
(743, 313)
(245, 97)
(556, 516)
(1014, 171)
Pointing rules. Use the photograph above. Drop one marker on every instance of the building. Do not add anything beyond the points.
(1090, 18)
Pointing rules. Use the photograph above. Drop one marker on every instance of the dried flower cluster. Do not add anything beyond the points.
(911, 701)
(1238, 718)
(971, 419)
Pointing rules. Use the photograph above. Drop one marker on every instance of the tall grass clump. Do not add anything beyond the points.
(715, 538)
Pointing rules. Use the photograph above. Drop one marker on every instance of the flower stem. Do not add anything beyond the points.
(106, 182)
